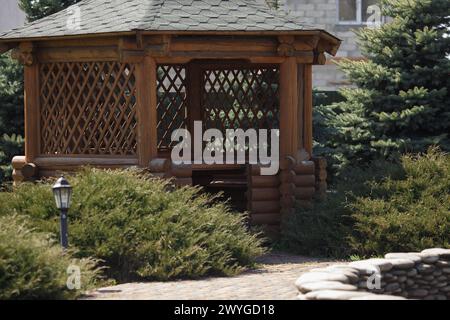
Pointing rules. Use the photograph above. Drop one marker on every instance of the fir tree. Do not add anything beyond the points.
(402, 101)
(11, 113)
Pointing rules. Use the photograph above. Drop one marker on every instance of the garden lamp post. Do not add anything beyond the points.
(62, 190)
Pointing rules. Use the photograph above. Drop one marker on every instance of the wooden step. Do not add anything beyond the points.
(231, 183)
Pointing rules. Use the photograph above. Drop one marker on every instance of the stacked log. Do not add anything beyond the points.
(321, 176)
(160, 167)
(182, 174)
(287, 186)
(305, 182)
(263, 196)
(23, 171)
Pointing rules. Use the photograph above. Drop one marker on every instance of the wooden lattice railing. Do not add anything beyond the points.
(88, 108)
(172, 103)
(241, 97)
(244, 97)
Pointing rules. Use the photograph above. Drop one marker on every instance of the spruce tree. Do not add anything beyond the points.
(401, 103)
(11, 113)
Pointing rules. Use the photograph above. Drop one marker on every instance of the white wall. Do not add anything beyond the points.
(323, 14)
(10, 15)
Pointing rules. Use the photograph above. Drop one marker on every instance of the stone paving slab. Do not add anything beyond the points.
(274, 280)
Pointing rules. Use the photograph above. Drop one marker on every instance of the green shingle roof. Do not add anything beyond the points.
(112, 16)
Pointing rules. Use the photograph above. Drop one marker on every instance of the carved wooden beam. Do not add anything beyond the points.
(286, 46)
(130, 50)
(159, 46)
(165, 45)
(139, 40)
(24, 54)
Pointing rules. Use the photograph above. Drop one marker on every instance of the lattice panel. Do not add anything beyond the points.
(172, 103)
(88, 108)
(241, 98)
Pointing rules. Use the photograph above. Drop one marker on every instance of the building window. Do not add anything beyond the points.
(358, 11)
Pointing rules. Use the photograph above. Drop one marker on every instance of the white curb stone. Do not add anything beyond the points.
(324, 285)
(399, 276)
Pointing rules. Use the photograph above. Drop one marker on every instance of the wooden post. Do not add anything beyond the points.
(146, 111)
(301, 104)
(288, 108)
(308, 110)
(32, 114)
(195, 90)
(194, 96)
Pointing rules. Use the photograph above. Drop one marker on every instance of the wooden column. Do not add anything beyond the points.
(301, 105)
(308, 110)
(194, 97)
(146, 110)
(194, 93)
(288, 108)
(31, 97)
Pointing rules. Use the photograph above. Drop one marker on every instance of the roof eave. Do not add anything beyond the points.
(334, 42)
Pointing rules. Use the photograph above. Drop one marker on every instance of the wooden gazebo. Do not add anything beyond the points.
(106, 83)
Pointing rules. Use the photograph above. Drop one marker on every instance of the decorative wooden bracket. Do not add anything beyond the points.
(24, 54)
(319, 58)
(326, 46)
(313, 41)
(286, 46)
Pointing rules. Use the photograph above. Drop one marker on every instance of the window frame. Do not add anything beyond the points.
(359, 15)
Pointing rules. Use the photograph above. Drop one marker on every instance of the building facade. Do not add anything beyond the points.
(341, 18)
(11, 16)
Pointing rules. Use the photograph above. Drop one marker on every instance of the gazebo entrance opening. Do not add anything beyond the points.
(222, 95)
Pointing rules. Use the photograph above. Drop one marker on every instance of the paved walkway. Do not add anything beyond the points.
(273, 280)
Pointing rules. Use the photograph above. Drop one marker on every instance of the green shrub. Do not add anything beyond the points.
(377, 209)
(405, 215)
(34, 267)
(140, 228)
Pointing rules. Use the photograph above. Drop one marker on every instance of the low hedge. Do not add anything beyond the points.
(33, 267)
(383, 208)
(142, 228)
